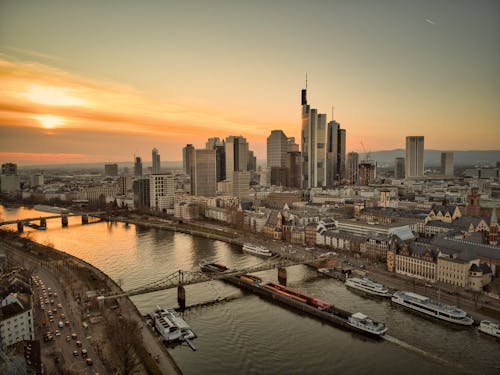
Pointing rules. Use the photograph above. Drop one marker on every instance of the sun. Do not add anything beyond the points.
(49, 121)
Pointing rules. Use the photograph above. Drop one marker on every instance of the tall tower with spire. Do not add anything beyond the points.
(493, 235)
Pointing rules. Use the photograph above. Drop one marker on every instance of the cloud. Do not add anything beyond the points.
(430, 21)
(32, 53)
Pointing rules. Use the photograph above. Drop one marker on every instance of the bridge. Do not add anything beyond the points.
(43, 219)
(182, 278)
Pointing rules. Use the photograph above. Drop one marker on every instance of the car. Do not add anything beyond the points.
(51, 320)
(58, 333)
(79, 343)
(54, 294)
(63, 316)
(89, 362)
(66, 323)
(74, 336)
(54, 311)
(68, 338)
(44, 322)
(75, 353)
(60, 324)
(59, 306)
(84, 352)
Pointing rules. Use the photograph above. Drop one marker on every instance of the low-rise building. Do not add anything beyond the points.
(16, 320)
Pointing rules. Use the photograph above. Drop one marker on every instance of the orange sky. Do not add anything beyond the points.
(103, 82)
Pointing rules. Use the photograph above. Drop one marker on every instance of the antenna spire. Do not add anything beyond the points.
(306, 80)
(332, 112)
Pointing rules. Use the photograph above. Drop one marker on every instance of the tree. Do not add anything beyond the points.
(124, 334)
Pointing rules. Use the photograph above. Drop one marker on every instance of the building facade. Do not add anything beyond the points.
(161, 191)
(414, 161)
(204, 173)
(399, 168)
(156, 167)
(447, 164)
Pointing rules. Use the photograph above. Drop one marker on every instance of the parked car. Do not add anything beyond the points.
(75, 353)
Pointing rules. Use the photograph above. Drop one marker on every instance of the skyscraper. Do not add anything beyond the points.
(352, 168)
(156, 161)
(111, 170)
(220, 156)
(252, 162)
(138, 167)
(341, 151)
(188, 158)
(236, 148)
(277, 146)
(447, 163)
(203, 178)
(414, 161)
(313, 145)
(294, 167)
(399, 168)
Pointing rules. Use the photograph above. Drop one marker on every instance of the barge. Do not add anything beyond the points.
(310, 305)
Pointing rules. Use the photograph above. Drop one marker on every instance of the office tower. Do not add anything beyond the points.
(236, 148)
(313, 145)
(141, 192)
(240, 183)
(155, 161)
(252, 162)
(188, 158)
(9, 169)
(366, 173)
(292, 146)
(341, 153)
(414, 161)
(294, 169)
(110, 170)
(220, 156)
(161, 191)
(399, 168)
(352, 168)
(203, 178)
(36, 180)
(138, 167)
(125, 184)
(332, 145)
(447, 163)
(265, 177)
(277, 146)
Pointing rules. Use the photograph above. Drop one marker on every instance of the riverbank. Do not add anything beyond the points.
(79, 277)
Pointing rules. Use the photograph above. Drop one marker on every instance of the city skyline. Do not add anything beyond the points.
(67, 98)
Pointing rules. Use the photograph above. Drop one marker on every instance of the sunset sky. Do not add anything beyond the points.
(92, 81)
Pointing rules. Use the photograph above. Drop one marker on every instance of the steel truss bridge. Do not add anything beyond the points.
(183, 278)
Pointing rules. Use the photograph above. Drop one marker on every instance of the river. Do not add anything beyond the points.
(250, 335)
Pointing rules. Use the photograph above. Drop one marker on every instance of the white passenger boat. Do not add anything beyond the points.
(368, 286)
(429, 307)
(170, 325)
(490, 328)
(364, 323)
(257, 250)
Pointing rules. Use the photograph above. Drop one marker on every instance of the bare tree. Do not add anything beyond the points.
(123, 333)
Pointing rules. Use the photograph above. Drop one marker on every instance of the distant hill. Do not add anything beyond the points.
(433, 157)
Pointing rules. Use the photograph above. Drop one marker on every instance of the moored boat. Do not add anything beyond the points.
(364, 323)
(490, 328)
(170, 325)
(256, 250)
(429, 307)
(368, 286)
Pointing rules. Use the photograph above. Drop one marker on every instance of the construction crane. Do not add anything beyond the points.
(367, 154)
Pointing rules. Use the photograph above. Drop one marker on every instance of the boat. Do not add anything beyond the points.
(429, 307)
(208, 266)
(51, 209)
(368, 286)
(361, 321)
(170, 325)
(256, 250)
(490, 328)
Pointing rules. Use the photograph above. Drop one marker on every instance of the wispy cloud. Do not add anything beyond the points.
(31, 53)
(430, 21)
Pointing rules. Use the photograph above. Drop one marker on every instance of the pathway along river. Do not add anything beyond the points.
(252, 335)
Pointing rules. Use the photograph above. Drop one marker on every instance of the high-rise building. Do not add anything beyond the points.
(335, 154)
(138, 167)
(252, 162)
(366, 172)
(236, 148)
(313, 145)
(352, 168)
(111, 170)
(277, 147)
(414, 161)
(399, 168)
(447, 163)
(9, 169)
(125, 184)
(241, 183)
(36, 180)
(204, 174)
(155, 161)
(220, 156)
(341, 155)
(294, 167)
(161, 191)
(188, 159)
(141, 193)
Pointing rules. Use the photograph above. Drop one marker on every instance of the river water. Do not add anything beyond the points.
(250, 335)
